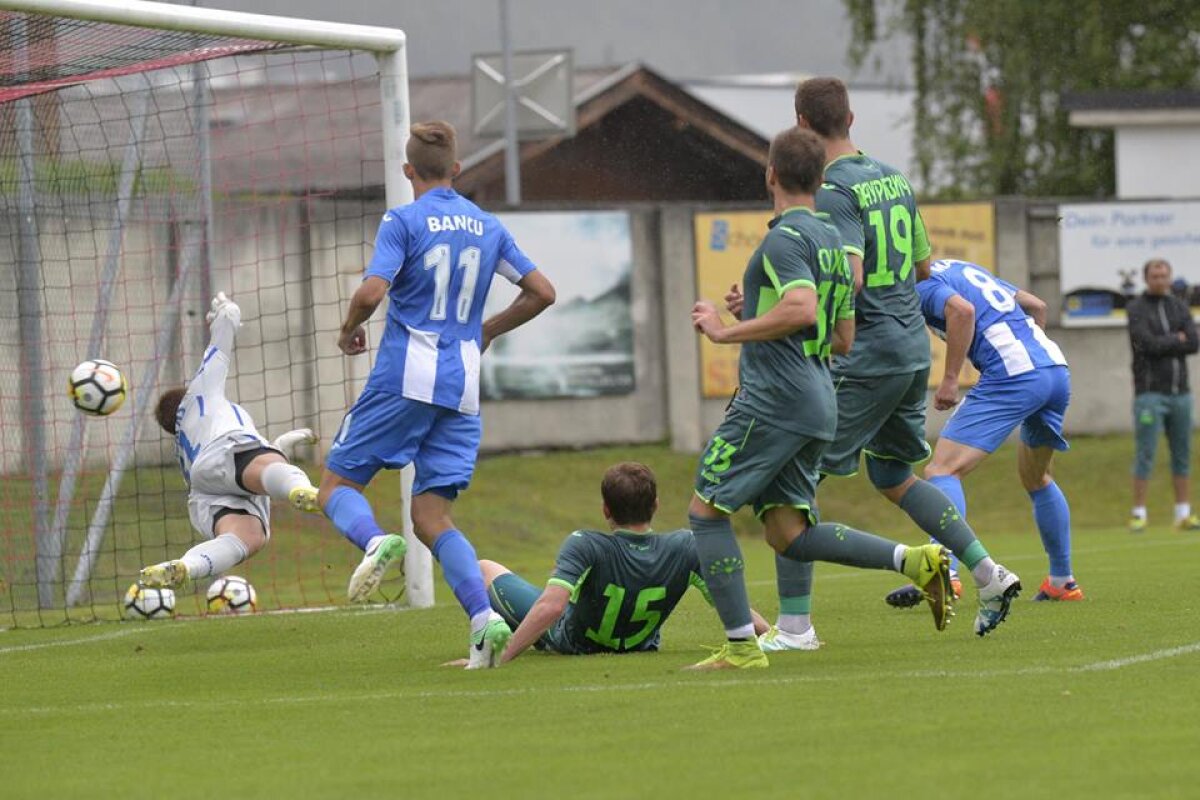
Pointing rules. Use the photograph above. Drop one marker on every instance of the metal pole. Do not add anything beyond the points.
(29, 312)
(130, 163)
(144, 391)
(512, 156)
(200, 102)
(393, 86)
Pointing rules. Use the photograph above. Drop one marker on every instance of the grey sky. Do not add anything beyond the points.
(681, 38)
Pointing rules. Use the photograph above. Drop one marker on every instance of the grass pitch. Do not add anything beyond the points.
(1095, 699)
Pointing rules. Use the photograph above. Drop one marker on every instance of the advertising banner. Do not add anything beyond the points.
(1102, 247)
(582, 346)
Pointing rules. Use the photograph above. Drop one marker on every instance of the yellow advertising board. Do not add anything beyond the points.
(724, 243)
(726, 240)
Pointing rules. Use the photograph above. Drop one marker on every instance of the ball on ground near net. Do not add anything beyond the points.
(143, 602)
(232, 595)
(97, 387)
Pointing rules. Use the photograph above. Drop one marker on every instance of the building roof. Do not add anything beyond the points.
(1122, 107)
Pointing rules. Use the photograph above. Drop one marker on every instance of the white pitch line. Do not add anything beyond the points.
(104, 637)
(435, 694)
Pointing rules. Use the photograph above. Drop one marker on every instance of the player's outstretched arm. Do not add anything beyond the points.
(537, 294)
(545, 612)
(224, 318)
(843, 336)
(960, 332)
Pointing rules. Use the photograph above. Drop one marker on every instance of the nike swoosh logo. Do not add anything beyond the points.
(388, 218)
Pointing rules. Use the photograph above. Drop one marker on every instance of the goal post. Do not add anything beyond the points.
(108, 215)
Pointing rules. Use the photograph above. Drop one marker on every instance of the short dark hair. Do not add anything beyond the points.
(1154, 262)
(630, 492)
(167, 407)
(432, 149)
(798, 158)
(825, 105)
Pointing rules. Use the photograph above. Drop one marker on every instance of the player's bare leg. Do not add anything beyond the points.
(236, 537)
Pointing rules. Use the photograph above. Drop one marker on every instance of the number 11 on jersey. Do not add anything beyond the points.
(438, 259)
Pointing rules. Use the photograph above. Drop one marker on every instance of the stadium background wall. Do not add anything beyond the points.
(320, 247)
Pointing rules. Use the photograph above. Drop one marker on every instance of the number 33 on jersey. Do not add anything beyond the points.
(439, 255)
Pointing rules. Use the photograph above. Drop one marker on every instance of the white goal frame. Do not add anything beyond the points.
(388, 45)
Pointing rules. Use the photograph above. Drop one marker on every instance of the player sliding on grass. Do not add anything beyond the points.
(1024, 381)
(435, 259)
(610, 592)
(231, 471)
(798, 307)
(882, 382)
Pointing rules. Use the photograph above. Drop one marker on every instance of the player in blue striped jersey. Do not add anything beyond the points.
(434, 259)
(1024, 381)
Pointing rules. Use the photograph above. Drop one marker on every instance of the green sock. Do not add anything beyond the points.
(794, 580)
(723, 570)
(935, 514)
(838, 544)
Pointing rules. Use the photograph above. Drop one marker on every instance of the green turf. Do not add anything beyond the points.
(1096, 699)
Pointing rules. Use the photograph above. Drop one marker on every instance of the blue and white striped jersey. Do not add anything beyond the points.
(439, 254)
(205, 414)
(1007, 342)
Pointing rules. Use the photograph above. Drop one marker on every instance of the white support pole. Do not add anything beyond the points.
(512, 146)
(393, 87)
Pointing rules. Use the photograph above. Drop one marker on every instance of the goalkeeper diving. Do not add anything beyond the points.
(232, 472)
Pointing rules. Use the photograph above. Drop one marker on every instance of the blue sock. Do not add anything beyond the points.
(461, 568)
(1053, 518)
(351, 514)
(951, 486)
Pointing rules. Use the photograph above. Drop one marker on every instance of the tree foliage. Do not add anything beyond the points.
(990, 74)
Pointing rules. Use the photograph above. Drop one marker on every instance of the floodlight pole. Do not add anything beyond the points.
(512, 155)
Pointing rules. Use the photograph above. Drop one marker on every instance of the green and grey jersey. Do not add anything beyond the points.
(873, 207)
(623, 586)
(785, 382)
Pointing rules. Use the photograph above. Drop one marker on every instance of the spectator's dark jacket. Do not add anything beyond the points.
(1159, 364)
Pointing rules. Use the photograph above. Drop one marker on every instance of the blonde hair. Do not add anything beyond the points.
(432, 150)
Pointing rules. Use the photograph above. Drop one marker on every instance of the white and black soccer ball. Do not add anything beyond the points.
(232, 595)
(97, 387)
(143, 602)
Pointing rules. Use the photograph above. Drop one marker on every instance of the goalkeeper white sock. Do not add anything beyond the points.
(280, 478)
(215, 556)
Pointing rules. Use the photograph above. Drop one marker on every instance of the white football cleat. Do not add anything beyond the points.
(488, 643)
(369, 572)
(777, 641)
(995, 598)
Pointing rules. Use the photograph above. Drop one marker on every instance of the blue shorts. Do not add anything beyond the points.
(1034, 400)
(388, 431)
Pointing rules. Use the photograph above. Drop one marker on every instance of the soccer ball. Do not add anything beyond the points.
(142, 602)
(232, 595)
(97, 387)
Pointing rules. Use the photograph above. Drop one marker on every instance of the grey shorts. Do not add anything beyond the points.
(215, 484)
(883, 416)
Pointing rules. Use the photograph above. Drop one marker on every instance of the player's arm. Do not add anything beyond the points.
(960, 332)
(1032, 305)
(537, 294)
(352, 339)
(922, 250)
(843, 336)
(224, 318)
(541, 617)
(796, 310)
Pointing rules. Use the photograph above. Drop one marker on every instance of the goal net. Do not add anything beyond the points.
(151, 155)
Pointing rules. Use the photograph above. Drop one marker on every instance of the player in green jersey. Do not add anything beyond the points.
(610, 592)
(882, 383)
(798, 308)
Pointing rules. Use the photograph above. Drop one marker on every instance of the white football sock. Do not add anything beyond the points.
(794, 623)
(280, 478)
(480, 621)
(1139, 512)
(1060, 581)
(373, 543)
(744, 632)
(215, 556)
(982, 572)
(1182, 511)
(898, 557)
